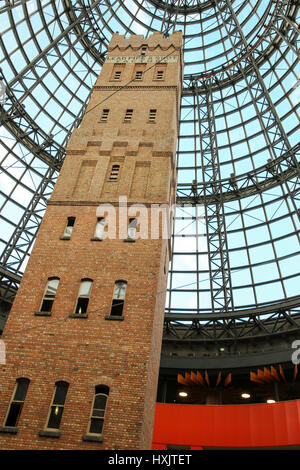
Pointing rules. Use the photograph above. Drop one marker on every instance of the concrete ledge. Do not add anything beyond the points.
(44, 433)
(43, 314)
(9, 429)
(114, 317)
(78, 315)
(90, 438)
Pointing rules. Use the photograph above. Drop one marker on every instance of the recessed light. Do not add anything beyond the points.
(183, 394)
(271, 401)
(245, 395)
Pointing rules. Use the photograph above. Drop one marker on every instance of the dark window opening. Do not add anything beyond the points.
(117, 75)
(152, 115)
(83, 296)
(69, 227)
(117, 307)
(50, 294)
(139, 75)
(114, 173)
(57, 405)
(82, 305)
(17, 402)
(98, 411)
(104, 116)
(118, 298)
(128, 115)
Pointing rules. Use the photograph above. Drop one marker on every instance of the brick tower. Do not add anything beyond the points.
(83, 338)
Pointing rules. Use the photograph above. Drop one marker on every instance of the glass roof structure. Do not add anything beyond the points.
(235, 237)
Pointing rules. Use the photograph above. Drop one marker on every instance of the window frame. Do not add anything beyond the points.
(104, 115)
(102, 393)
(52, 405)
(70, 224)
(85, 313)
(12, 401)
(52, 278)
(120, 300)
(128, 115)
(114, 173)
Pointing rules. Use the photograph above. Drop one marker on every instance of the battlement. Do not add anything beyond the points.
(137, 41)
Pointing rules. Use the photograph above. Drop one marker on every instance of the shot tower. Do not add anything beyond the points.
(83, 338)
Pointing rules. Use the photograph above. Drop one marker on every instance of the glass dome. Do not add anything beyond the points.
(236, 228)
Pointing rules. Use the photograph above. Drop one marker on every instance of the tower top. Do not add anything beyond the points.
(155, 40)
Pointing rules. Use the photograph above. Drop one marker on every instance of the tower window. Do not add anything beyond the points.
(118, 298)
(99, 228)
(132, 229)
(159, 75)
(104, 115)
(128, 115)
(152, 115)
(57, 405)
(143, 51)
(96, 421)
(117, 75)
(138, 75)
(69, 228)
(83, 296)
(114, 173)
(17, 402)
(50, 294)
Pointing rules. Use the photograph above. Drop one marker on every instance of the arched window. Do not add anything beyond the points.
(118, 298)
(50, 293)
(96, 421)
(83, 296)
(57, 405)
(132, 229)
(99, 228)
(69, 228)
(17, 402)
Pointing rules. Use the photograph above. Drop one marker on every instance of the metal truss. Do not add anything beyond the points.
(234, 55)
(215, 227)
(270, 321)
(280, 170)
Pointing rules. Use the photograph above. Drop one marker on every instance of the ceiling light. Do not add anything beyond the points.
(271, 401)
(245, 395)
(183, 394)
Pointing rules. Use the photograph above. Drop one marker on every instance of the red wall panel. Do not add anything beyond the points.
(262, 425)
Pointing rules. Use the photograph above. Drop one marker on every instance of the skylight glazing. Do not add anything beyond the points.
(238, 150)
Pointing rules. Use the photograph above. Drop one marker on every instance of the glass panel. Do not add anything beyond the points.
(100, 402)
(60, 393)
(96, 425)
(82, 305)
(99, 228)
(52, 287)
(85, 288)
(47, 305)
(120, 289)
(13, 415)
(55, 417)
(117, 307)
(21, 390)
